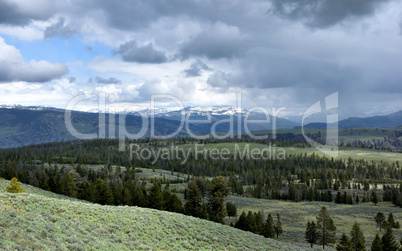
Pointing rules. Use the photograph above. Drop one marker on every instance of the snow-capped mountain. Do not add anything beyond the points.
(194, 111)
(32, 108)
(204, 111)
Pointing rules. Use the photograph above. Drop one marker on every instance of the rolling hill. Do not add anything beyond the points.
(385, 121)
(21, 126)
(38, 220)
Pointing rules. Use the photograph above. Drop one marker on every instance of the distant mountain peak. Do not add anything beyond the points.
(396, 114)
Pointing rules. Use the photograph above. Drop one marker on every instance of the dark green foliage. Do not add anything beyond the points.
(217, 191)
(269, 227)
(155, 196)
(374, 197)
(172, 202)
(388, 240)
(242, 223)
(358, 240)
(380, 219)
(344, 244)
(325, 228)
(102, 193)
(392, 222)
(193, 205)
(376, 244)
(251, 225)
(278, 226)
(259, 224)
(231, 209)
(311, 233)
(68, 186)
(253, 222)
(246, 222)
(126, 197)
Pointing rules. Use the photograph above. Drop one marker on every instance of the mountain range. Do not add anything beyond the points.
(26, 125)
(384, 121)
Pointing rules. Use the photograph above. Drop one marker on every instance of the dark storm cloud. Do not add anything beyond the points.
(39, 72)
(11, 14)
(129, 15)
(267, 69)
(324, 13)
(196, 69)
(100, 80)
(219, 41)
(60, 29)
(131, 52)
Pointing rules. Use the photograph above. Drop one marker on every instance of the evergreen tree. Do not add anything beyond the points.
(391, 220)
(338, 198)
(155, 196)
(374, 197)
(217, 191)
(126, 196)
(311, 233)
(102, 194)
(259, 224)
(344, 244)
(231, 209)
(380, 219)
(269, 227)
(376, 245)
(172, 202)
(14, 187)
(250, 223)
(388, 240)
(68, 186)
(326, 228)
(358, 241)
(278, 226)
(241, 223)
(193, 205)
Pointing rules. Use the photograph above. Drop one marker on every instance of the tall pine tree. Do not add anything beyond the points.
(326, 228)
(311, 233)
(358, 241)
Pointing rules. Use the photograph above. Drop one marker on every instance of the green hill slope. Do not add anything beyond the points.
(40, 220)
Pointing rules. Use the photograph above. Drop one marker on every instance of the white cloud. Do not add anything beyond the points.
(13, 67)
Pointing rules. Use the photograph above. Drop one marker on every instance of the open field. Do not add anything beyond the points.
(294, 216)
(351, 133)
(39, 222)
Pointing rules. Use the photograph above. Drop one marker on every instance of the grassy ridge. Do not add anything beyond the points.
(39, 222)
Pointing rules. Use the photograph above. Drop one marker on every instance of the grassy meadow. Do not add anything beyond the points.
(294, 216)
(39, 220)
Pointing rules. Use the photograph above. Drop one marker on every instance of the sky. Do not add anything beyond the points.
(272, 53)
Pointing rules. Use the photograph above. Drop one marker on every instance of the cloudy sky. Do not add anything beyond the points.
(276, 53)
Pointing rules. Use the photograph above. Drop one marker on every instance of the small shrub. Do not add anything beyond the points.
(15, 186)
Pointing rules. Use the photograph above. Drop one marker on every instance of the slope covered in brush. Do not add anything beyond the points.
(40, 220)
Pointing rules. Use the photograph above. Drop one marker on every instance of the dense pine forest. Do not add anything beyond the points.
(294, 178)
